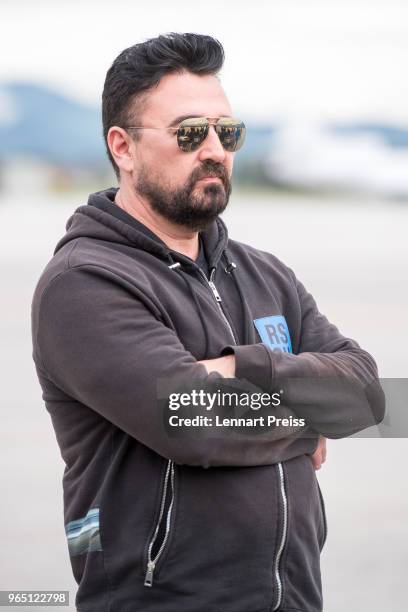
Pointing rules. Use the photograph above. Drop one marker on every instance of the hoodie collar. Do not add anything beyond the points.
(102, 219)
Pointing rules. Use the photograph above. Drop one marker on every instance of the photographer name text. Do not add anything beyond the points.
(260, 421)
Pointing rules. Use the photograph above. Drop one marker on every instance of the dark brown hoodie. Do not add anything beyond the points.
(158, 522)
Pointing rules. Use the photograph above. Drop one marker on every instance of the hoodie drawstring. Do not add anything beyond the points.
(177, 266)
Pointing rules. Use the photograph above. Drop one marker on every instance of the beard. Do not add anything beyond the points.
(193, 206)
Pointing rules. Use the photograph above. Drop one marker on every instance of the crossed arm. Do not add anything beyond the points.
(226, 367)
(102, 343)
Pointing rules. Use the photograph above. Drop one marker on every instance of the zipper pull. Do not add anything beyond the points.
(149, 574)
(215, 291)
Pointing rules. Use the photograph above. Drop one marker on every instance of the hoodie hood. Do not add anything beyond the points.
(102, 219)
(93, 220)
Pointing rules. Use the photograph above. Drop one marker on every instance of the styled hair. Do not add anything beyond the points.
(139, 68)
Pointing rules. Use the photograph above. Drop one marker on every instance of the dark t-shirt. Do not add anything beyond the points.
(201, 260)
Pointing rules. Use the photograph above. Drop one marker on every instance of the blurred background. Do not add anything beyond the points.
(322, 182)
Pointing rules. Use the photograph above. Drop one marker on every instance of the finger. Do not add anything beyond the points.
(316, 460)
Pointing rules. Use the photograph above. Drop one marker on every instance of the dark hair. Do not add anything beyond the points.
(140, 68)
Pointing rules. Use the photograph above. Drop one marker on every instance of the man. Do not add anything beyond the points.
(145, 291)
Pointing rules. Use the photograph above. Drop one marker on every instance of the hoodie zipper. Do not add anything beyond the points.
(282, 490)
(282, 485)
(218, 299)
(151, 563)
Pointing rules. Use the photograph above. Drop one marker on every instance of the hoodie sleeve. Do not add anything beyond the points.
(103, 343)
(331, 382)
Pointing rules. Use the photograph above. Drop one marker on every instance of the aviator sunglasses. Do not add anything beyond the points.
(192, 132)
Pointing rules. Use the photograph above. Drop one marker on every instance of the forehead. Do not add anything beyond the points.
(186, 94)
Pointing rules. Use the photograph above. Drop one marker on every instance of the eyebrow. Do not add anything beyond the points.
(181, 118)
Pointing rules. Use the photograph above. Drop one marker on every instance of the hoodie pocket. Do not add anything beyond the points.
(161, 534)
(225, 536)
(306, 536)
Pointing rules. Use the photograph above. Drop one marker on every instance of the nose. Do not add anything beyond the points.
(212, 147)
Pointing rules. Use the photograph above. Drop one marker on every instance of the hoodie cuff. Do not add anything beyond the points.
(252, 362)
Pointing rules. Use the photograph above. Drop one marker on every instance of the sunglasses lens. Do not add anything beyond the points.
(191, 133)
(231, 133)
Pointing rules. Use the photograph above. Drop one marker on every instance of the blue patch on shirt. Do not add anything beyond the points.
(274, 333)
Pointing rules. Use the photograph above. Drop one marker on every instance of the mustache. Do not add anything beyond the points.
(213, 170)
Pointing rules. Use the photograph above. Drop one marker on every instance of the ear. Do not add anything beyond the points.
(121, 147)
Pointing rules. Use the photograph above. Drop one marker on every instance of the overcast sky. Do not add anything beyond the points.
(341, 59)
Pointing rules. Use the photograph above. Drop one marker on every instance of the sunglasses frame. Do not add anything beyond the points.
(199, 122)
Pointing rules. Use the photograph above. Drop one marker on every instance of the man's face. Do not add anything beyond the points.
(170, 179)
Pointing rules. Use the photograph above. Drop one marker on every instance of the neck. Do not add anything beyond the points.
(176, 237)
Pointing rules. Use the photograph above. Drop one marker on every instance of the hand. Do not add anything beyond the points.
(223, 365)
(319, 456)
